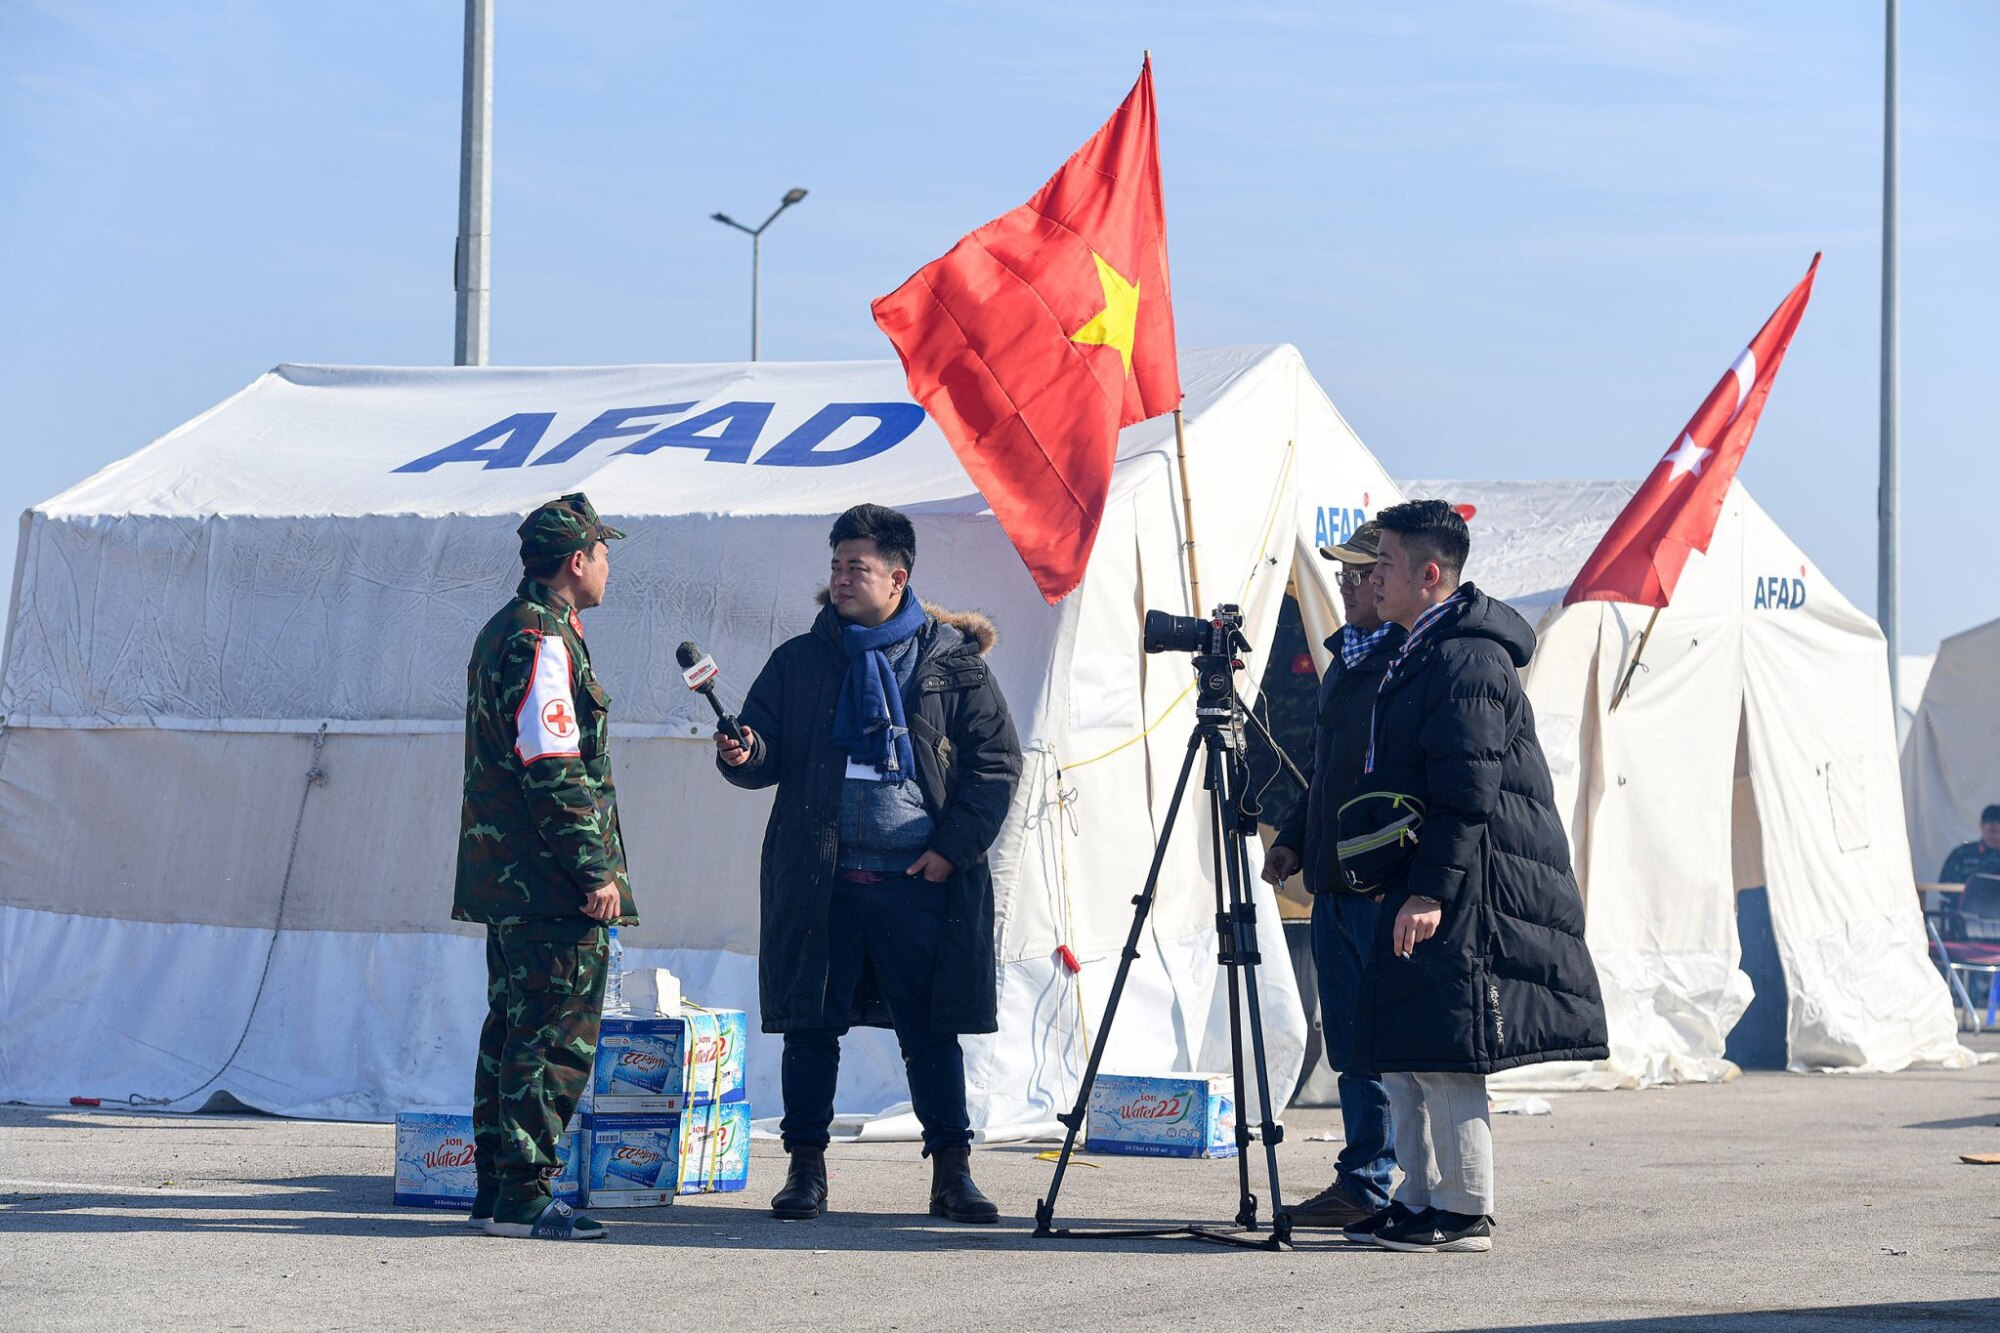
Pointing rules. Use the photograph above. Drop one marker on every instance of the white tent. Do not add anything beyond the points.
(1756, 747)
(1913, 675)
(233, 693)
(1951, 761)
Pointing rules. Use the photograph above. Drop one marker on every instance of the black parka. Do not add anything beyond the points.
(1507, 979)
(1340, 744)
(967, 762)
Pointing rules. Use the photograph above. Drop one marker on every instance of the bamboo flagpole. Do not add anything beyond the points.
(1645, 637)
(1187, 517)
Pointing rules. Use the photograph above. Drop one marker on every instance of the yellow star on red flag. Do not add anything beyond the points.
(1116, 324)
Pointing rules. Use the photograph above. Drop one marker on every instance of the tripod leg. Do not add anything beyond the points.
(1222, 817)
(1045, 1208)
(1244, 915)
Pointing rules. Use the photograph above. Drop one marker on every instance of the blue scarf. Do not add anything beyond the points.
(868, 722)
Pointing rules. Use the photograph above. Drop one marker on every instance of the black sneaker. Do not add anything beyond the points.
(1364, 1230)
(1331, 1207)
(1439, 1232)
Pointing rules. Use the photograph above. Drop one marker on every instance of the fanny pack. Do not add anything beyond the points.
(1377, 838)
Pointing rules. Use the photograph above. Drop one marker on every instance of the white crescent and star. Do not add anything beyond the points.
(1686, 457)
(1744, 367)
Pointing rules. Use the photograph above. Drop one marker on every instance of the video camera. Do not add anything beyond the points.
(1214, 641)
(1220, 634)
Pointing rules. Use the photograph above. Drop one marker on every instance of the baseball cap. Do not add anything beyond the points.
(1363, 548)
(563, 527)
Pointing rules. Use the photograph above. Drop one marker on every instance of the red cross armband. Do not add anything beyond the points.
(546, 725)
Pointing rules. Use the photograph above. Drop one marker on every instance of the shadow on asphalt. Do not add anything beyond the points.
(355, 1206)
(1897, 1314)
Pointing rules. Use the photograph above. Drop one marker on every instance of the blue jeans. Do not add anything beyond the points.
(1343, 936)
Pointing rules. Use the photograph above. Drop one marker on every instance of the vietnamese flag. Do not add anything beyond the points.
(1675, 509)
(1040, 336)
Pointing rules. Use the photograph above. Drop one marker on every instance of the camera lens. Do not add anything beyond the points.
(1169, 633)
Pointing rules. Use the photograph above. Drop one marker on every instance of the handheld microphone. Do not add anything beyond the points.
(699, 671)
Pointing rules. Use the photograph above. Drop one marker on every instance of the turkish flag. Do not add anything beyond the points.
(1675, 509)
(1037, 338)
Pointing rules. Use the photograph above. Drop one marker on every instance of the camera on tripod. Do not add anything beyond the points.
(1220, 634)
(1214, 641)
(1216, 745)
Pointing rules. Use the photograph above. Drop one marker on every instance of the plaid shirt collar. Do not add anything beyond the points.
(1422, 628)
(1418, 632)
(1355, 645)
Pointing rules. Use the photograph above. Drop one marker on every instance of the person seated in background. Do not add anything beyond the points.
(1981, 856)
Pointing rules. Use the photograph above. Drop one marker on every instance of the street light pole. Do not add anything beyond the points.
(1888, 508)
(756, 235)
(475, 188)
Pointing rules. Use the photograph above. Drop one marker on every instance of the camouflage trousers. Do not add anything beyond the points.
(544, 991)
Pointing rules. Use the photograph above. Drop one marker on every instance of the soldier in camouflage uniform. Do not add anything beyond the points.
(541, 863)
(1981, 856)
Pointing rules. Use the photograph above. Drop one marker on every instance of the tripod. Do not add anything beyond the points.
(1217, 740)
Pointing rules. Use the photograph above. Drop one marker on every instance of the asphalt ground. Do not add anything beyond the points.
(1773, 1202)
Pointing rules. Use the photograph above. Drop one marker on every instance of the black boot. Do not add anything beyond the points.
(953, 1195)
(804, 1194)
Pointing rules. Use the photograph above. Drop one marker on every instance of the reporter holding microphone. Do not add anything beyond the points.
(895, 760)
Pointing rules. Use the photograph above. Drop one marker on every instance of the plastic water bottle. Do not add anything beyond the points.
(614, 970)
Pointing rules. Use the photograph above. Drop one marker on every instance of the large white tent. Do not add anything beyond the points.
(1757, 746)
(233, 693)
(1951, 761)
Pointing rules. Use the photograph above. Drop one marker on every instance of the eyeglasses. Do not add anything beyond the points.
(1351, 578)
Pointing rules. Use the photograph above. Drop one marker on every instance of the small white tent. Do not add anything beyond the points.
(233, 694)
(1951, 761)
(1756, 747)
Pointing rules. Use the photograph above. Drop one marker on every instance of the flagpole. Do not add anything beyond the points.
(1187, 517)
(1645, 636)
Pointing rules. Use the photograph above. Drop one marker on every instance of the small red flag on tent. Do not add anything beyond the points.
(1038, 337)
(1675, 509)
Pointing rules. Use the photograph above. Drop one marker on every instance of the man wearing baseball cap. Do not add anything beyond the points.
(1343, 923)
(542, 864)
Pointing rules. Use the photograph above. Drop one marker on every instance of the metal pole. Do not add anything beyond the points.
(475, 187)
(756, 255)
(1888, 510)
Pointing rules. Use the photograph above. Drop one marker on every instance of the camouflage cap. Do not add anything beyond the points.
(1363, 548)
(563, 527)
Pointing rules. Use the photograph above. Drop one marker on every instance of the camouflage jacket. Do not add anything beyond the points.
(540, 823)
(1969, 859)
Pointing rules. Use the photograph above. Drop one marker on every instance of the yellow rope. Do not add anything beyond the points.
(1127, 744)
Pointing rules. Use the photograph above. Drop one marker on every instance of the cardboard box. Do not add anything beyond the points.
(645, 1161)
(434, 1166)
(657, 1066)
(1169, 1115)
(715, 1148)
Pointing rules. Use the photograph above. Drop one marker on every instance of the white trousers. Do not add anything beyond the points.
(1444, 1141)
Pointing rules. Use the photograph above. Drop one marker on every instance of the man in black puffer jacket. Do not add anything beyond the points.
(895, 762)
(1480, 963)
(1343, 923)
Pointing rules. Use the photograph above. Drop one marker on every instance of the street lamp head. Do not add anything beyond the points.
(793, 196)
(725, 219)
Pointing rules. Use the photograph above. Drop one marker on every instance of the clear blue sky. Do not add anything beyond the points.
(1514, 238)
